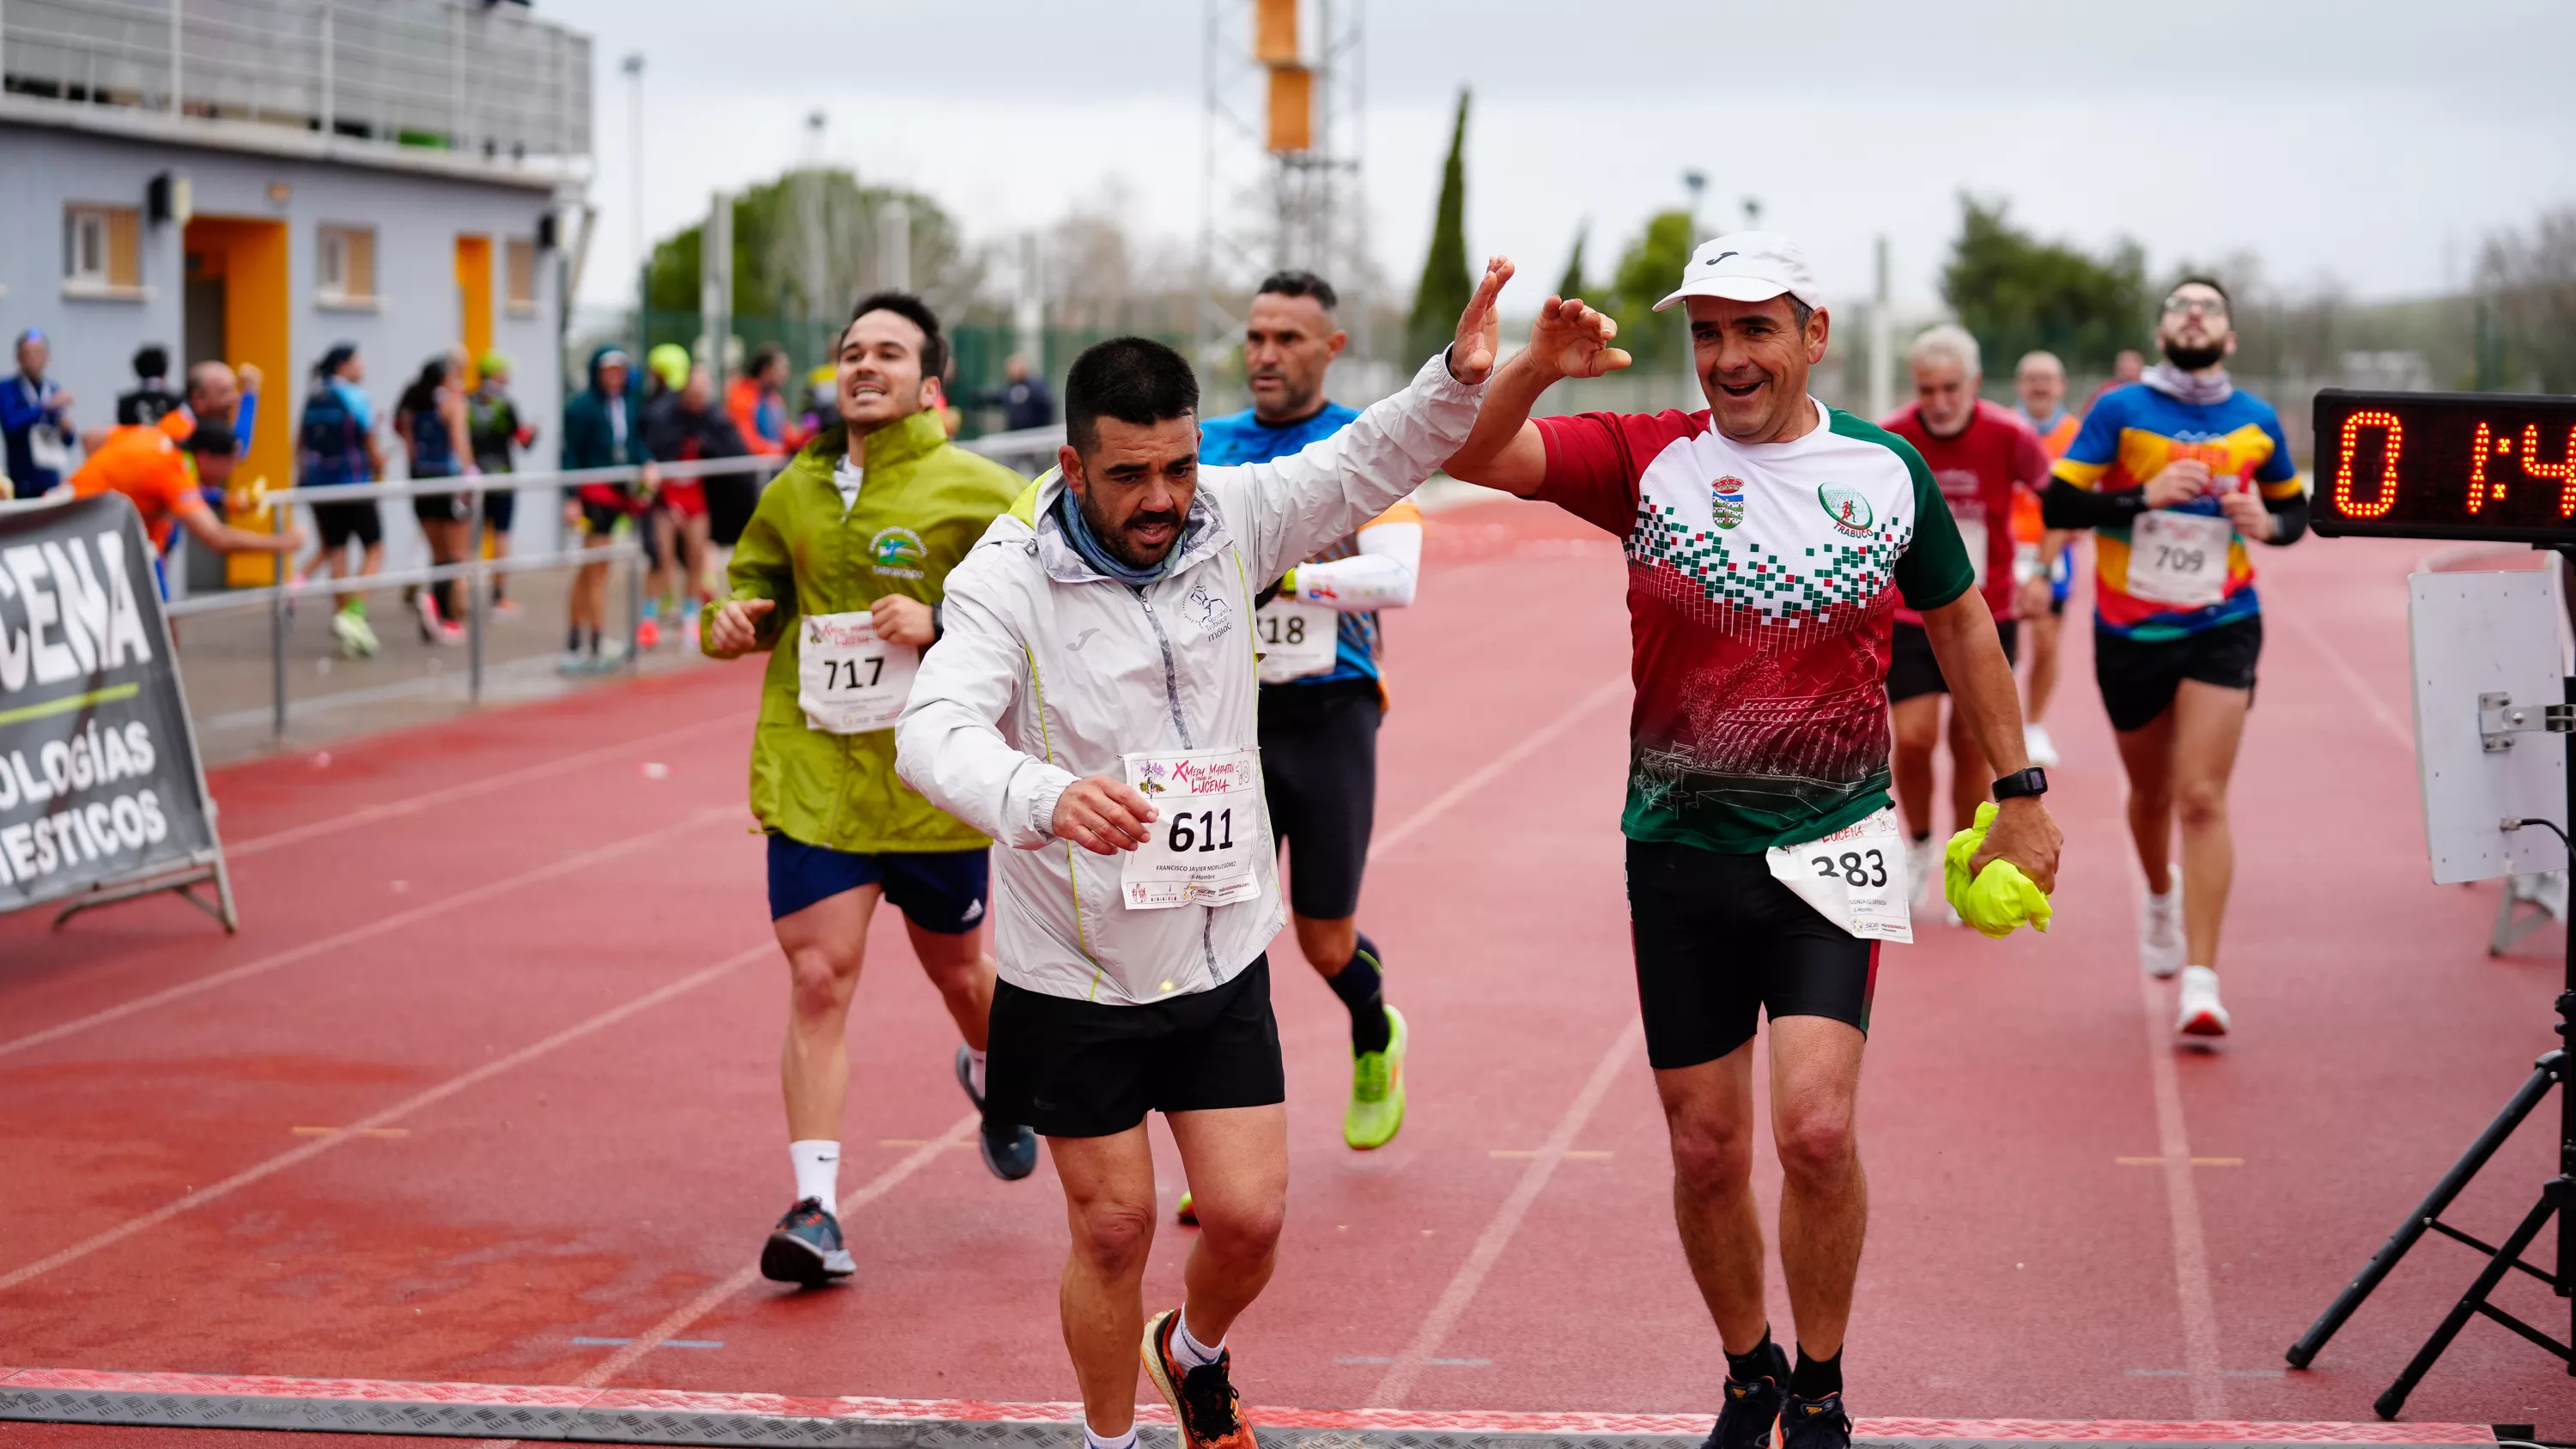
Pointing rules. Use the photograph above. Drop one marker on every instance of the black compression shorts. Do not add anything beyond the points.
(340, 522)
(1072, 1068)
(1319, 767)
(1720, 941)
(1912, 670)
(2139, 678)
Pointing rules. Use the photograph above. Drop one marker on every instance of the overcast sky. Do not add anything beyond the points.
(2370, 141)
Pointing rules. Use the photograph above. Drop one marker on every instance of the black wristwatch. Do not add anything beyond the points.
(2033, 781)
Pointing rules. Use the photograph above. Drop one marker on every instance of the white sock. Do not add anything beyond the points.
(1094, 1439)
(975, 1079)
(1188, 1350)
(818, 1171)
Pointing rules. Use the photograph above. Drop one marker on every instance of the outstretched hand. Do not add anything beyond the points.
(1480, 327)
(1572, 340)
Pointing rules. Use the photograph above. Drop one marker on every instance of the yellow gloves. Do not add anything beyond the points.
(2001, 897)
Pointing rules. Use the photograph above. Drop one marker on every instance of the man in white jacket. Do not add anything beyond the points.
(1093, 707)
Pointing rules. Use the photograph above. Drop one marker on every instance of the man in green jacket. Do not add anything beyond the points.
(839, 576)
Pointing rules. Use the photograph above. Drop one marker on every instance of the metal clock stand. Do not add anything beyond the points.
(2557, 1196)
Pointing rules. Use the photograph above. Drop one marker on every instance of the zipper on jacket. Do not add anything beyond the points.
(1171, 673)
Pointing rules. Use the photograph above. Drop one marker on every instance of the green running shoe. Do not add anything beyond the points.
(1377, 1090)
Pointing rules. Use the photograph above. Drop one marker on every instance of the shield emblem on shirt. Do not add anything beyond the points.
(1726, 501)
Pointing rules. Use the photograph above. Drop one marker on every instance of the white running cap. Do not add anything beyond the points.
(1748, 266)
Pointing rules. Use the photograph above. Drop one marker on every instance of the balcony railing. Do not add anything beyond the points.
(476, 79)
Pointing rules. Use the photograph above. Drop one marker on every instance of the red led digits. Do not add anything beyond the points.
(2387, 498)
(2564, 470)
(2478, 470)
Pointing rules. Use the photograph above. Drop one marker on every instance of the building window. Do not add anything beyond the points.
(345, 266)
(520, 263)
(102, 250)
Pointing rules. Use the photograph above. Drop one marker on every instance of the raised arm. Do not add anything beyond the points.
(1504, 450)
(1290, 507)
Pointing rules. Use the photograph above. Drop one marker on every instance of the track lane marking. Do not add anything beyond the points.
(432, 799)
(487, 891)
(2193, 1297)
(1442, 803)
(1461, 1290)
(429, 1098)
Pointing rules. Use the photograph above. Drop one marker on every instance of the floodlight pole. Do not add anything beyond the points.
(2557, 1196)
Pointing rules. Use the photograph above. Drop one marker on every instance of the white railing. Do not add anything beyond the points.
(451, 75)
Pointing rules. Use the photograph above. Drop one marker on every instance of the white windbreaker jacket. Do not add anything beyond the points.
(1049, 671)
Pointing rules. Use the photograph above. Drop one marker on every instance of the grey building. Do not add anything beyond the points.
(256, 180)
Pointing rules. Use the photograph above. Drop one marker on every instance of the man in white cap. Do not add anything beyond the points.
(1770, 540)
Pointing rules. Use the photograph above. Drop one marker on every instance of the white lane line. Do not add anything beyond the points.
(2192, 1293)
(2351, 677)
(390, 1115)
(566, 866)
(679, 1319)
(1452, 1305)
(1546, 735)
(241, 850)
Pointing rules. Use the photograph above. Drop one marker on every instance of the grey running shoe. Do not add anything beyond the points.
(805, 1248)
(1010, 1150)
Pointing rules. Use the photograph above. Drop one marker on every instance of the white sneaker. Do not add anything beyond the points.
(2036, 744)
(2160, 942)
(2201, 1013)
(1923, 871)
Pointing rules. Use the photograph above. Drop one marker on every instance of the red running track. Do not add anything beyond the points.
(490, 1072)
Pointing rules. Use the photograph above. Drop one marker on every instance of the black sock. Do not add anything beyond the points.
(1362, 988)
(1744, 1368)
(572, 639)
(1814, 1378)
(1921, 836)
(594, 641)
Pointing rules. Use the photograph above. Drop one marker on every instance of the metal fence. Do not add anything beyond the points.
(476, 570)
(438, 74)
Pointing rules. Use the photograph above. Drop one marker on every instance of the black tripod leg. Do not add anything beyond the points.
(2533, 1089)
(2395, 1399)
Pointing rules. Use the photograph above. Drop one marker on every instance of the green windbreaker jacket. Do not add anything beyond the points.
(922, 505)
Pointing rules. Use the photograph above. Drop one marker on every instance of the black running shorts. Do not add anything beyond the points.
(1913, 671)
(1072, 1068)
(1720, 941)
(1319, 767)
(350, 518)
(2139, 678)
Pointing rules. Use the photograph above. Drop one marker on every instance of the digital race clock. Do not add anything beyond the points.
(2446, 465)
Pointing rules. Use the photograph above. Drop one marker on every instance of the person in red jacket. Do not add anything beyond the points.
(1983, 457)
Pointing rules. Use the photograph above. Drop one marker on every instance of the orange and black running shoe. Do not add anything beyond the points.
(1817, 1423)
(1752, 1409)
(1203, 1400)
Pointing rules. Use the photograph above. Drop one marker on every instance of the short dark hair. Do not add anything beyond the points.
(1295, 283)
(1133, 379)
(213, 437)
(2196, 279)
(934, 347)
(769, 352)
(152, 361)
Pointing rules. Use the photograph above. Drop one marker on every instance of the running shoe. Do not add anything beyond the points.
(432, 627)
(805, 1247)
(1923, 866)
(357, 641)
(1815, 1423)
(1204, 1404)
(1376, 1110)
(689, 628)
(2036, 744)
(648, 633)
(504, 608)
(2160, 943)
(1010, 1150)
(1752, 1409)
(1187, 1214)
(2201, 1014)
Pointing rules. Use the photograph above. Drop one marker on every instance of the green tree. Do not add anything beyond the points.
(1446, 285)
(1649, 269)
(805, 247)
(1572, 283)
(2016, 292)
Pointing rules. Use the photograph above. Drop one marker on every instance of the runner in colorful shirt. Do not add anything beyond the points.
(2043, 557)
(1770, 540)
(2173, 474)
(840, 577)
(1322, 694)
(1986, 462)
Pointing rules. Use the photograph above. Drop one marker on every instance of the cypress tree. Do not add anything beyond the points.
(1446, 284)
(1572, 283)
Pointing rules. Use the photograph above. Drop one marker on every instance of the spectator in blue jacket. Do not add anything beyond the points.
(36, 420)
(603, 428)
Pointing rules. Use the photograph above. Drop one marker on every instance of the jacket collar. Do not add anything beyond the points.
(1064, 566)
(914, 438)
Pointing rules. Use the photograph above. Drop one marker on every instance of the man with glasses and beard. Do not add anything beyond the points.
(2173, 474)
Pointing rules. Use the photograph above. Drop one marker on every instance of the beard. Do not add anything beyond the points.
(2193, 359)
(1114, 537)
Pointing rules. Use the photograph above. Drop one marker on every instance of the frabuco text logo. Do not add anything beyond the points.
(897, 552)
(1848, 508)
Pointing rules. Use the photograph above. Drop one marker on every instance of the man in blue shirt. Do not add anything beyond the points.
(36, 419)
(1322, 697)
